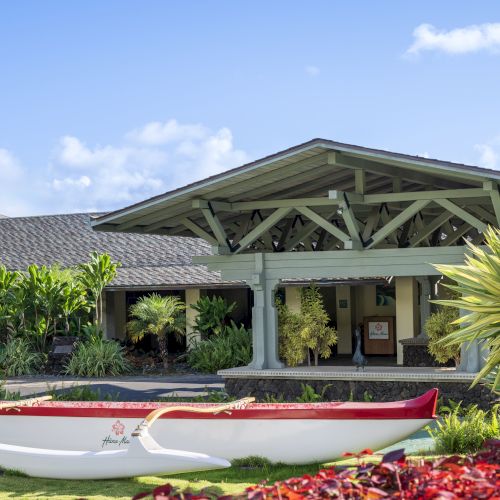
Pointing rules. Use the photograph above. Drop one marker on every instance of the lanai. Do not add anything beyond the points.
(326, 210)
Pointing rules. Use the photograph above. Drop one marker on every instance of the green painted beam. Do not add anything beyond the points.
(302, 234)
(261, 228)
(351, 223)
(397, 221)
(360, 181)
(321, 222)
(455, 235)
(462, 214)
(488, 216)
(425, 231)
(495, 199)
(216, 226)
(200, 232)
(371, 222)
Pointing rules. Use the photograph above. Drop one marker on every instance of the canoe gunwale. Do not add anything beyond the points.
(423, 407)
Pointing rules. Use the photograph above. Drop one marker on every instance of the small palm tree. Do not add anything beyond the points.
(158, 316)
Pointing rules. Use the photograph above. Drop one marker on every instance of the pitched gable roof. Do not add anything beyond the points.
(147, 260)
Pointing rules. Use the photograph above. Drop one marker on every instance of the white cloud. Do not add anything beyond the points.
(152, 159)
(471, 38)
(19, 192)
(312, 70)
(488, 156)
(156, 133)
(10, 168)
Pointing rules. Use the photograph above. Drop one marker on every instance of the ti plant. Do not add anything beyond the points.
(478, 284)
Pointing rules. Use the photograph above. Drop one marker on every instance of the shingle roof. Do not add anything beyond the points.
(147, 260)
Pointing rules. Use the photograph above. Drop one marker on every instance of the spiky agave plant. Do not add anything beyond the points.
(478, 284)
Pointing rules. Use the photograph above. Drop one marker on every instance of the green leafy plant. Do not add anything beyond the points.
(98, 358)
(226, 350)
(159, 316)
(307, 331)
(273, 398)
(17, 357)
(478, 286)
(458, 432)
(292, 349)
(213, 315)
(95, 275)
(80, 393)
(439, 325)
(318, 337)
(309, 395)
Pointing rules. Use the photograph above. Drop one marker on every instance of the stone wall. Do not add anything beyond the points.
(343, 390)
(418, 355)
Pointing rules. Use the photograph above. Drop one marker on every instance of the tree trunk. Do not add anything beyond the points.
(164, 351)
(316, 357)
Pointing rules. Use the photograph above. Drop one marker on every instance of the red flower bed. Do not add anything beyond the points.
(472, 477)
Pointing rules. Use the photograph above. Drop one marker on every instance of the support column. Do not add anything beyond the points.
(264, 319)
(425, 305)
(192, 336)
(472, 354)
(344, 319)
(292, 298)
(406, 304)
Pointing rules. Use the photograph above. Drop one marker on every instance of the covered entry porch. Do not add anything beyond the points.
(327, 210)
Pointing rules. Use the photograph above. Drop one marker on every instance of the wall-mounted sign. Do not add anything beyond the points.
(378, 330)
(343, 304)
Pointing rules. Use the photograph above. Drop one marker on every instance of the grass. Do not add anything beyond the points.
(226, 481)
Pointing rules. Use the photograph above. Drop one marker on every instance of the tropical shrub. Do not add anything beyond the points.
(229, 349)
(98, 358)
(95, 275)
(17, 357)
(213, 315)
(80, 393)
(301, 334)
(466, 432)
(159, 316)
(43, 302)
(478, 286)
(318, 337)
(309, 395)
(473, 476)
(438, 325)
(291, 345)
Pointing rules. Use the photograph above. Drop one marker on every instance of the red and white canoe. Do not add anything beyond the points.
(285, 432)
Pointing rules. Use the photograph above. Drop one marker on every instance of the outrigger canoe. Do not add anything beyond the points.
(285, 432)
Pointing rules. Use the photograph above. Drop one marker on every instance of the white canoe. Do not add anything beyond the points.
(285, 432)
(136, 460)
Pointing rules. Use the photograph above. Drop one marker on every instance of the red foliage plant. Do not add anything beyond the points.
(472, 477)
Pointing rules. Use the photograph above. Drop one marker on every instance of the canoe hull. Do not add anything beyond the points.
(133, 461)
(290, 433)
(290, 441)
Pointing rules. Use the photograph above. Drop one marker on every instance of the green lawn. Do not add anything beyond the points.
(226, 481)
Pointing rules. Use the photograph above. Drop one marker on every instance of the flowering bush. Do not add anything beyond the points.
(448, 478)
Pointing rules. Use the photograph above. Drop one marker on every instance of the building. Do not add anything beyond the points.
(330, 212)
(148, 263)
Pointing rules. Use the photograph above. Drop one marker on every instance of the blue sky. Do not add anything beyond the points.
(104, 103)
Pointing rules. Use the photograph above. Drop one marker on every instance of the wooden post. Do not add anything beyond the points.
(406, 305)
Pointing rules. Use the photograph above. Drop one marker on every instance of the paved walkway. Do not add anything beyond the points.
(123, 388)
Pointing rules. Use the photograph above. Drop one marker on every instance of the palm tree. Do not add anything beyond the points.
(158, 316)
(478, 286)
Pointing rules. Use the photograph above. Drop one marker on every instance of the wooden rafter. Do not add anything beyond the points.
(397, 221)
